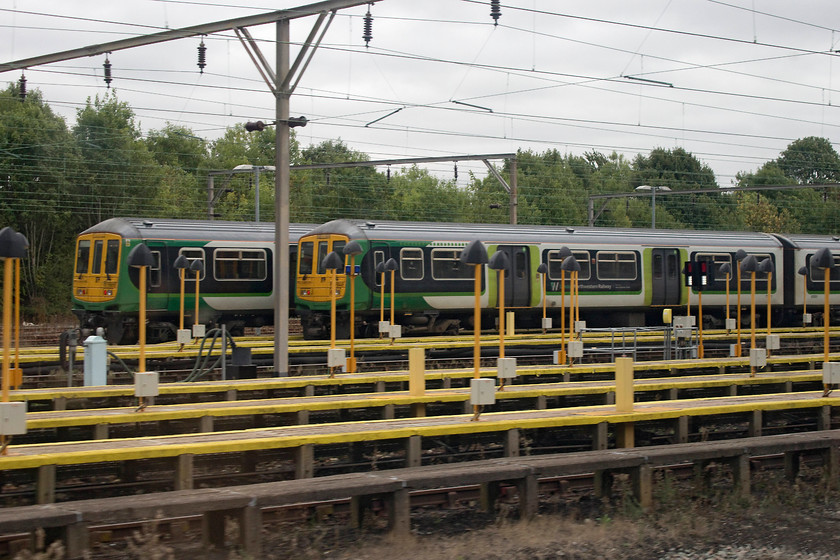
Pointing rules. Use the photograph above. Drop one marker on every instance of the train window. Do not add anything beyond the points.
(760, 277)
(323, 251)
(616, 266)
(193, 254)
(305, 257)
(715, 260)
(411, 264)
(657, 266)
(520, 265)
(83, 256)
(240, 264)
(96, 266)
(154, 270)
(555, 261)
(583, 260)
(818, 274)
(338, 247)
(447, 265)
(378, 258)
(112, 256)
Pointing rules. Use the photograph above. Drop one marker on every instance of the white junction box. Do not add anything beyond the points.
(199, 330)
(482, 391)
(683, 325)
(806, 318)
(557, 358)
(772, 342)
(731, 324)
(580, 326)
(384, 327)
(183, 336)
(831, 373)
(12, 418)
(146, 384)
(336, 357)
(546, 322)
(758, 357)
(395, 331)
(575, 349)
(506, 368)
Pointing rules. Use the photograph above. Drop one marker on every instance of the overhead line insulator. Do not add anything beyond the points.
(495, 11)
(368, 27)
(22, 87)
(107, 68)
(202, 56)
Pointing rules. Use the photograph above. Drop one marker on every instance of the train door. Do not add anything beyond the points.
(665, 277)
(157, 283)
(518, 276)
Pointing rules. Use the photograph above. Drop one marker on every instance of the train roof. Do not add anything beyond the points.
(812, 241)
(503, 233)
(200, 230)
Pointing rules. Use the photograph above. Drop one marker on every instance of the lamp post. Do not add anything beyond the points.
(652, 200)
(256, 169)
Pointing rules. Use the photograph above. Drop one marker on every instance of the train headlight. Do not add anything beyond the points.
(306, 292)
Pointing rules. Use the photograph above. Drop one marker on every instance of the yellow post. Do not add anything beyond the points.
(562, 317)
(804, 297)
(7, 332)
(700, 321)
(826, 315)
(416, 372)
(392, 296)
(571, 312)
(543, 298)
(351, 364)
(727, 298)
(18, 373)
(333, 281)
(392, 301)
(738, 314)
(576, 276)
(501, 283)
(141, 319)
(752, 317)
(769, 282)
(195, 319)
(477, 329)
(381, 300)
(7, 324)
(182, 273)
(624, 385)
(625, 431)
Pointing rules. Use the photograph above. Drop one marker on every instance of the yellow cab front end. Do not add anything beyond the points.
(314, 280)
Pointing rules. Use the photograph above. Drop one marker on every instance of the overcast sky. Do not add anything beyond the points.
(732, 81)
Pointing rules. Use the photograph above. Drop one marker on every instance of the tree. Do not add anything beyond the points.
(417, 195)
(121, 176)
(177, 146)
(240, 147)
(38, 164)
(680, 171)
(330, 193)
(810, 160)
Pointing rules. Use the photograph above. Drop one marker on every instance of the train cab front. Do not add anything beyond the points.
(314, 281)
(96, 277)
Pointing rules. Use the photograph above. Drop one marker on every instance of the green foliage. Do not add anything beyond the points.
(810, 160)
(56, 182)
(120, 176)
